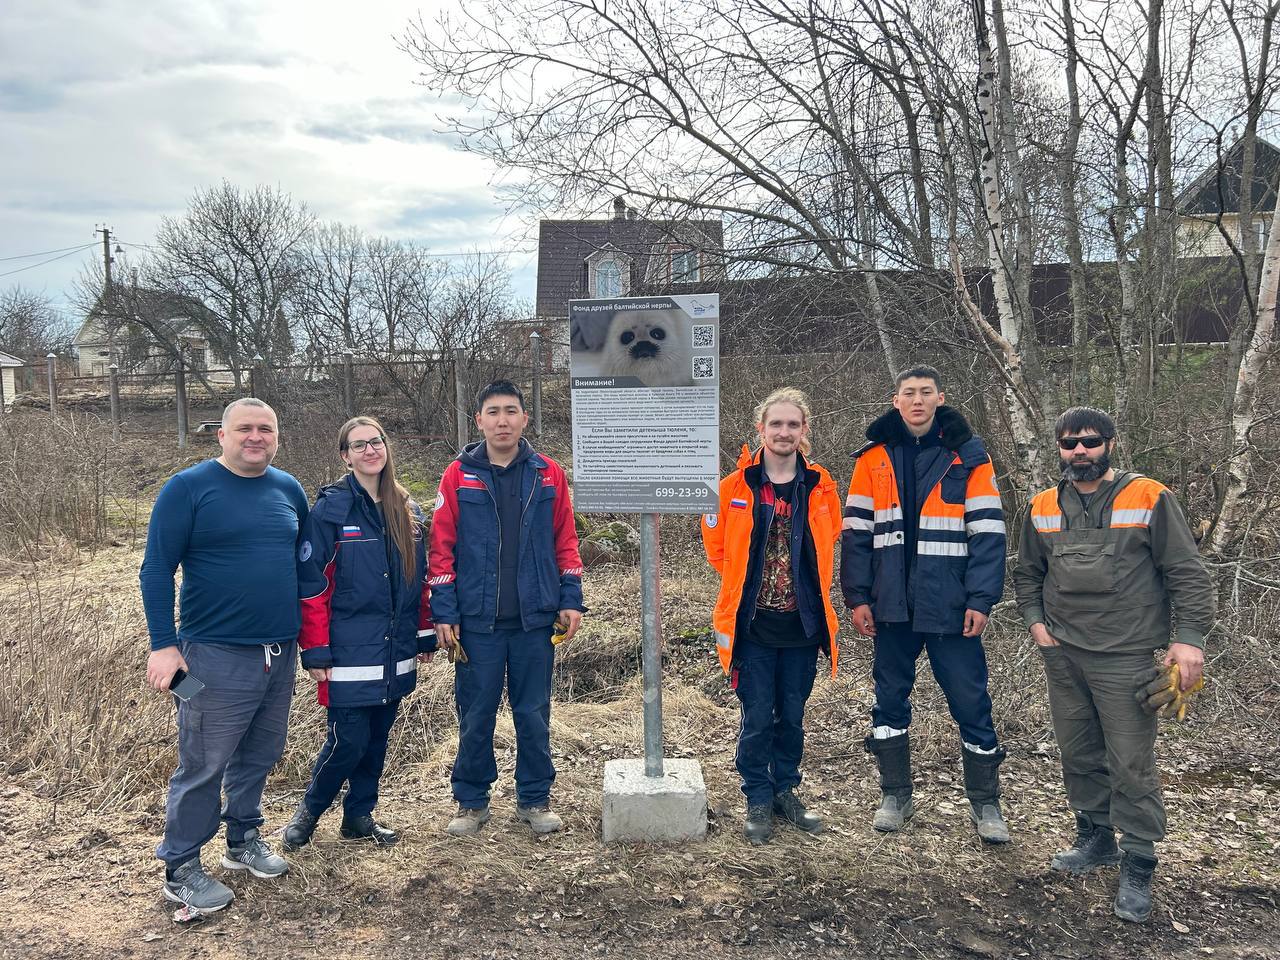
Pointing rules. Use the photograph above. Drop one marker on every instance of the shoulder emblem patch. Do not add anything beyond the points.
(439, 502)
(711, 519)
(304, 553)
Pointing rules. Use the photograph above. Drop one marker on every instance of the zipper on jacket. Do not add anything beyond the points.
(497, 517)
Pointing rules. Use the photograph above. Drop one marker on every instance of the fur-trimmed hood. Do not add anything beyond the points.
(950, 424)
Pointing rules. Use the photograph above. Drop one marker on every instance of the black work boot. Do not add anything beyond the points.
(893, 757)
(367, 828)
(788, 806)
(298, 831)
(1095, 847)
(759, 826)
(982, 786)
(1133, 896)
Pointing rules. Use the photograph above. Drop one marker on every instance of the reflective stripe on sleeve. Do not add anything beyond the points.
(406, 666)
(974, 527)
(857, 500)
(982, 503)
(859, 523)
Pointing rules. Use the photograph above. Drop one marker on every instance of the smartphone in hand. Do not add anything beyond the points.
(184, 686)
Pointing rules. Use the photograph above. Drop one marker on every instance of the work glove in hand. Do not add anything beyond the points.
(1160, 692)
(457, 654)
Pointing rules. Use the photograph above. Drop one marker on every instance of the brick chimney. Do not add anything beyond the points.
(619, 208)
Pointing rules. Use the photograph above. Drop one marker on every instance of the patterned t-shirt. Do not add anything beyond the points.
(777, 588)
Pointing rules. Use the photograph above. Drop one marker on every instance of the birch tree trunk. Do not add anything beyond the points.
(1023, 409)
(1244, 407)
(1068, 180)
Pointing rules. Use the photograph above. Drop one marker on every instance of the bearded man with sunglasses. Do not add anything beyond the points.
(1106, 566)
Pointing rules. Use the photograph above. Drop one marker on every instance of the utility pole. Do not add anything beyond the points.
(106, 256)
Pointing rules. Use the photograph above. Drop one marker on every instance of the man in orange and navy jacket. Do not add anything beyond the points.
(773, 543)
(922, 564)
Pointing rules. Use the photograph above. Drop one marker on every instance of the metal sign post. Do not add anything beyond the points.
(651, 642)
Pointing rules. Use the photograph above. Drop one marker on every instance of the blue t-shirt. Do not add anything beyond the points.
(236, 540)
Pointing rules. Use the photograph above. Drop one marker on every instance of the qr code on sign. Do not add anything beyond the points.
(704, 335)
(704, 368)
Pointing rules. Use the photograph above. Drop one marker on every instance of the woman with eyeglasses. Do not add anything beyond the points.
(365, 625)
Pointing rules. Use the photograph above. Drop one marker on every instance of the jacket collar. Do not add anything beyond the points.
(474, 456)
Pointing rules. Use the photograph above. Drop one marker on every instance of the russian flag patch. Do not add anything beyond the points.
(735, 502)
(350, 531)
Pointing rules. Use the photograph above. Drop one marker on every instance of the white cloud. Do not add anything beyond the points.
(118, 110)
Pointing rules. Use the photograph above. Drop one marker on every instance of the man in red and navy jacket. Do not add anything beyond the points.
(504, 568)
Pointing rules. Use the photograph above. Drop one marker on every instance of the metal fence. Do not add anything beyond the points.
(430, 397)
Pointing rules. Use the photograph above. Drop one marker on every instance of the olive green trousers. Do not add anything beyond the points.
(1107, 742)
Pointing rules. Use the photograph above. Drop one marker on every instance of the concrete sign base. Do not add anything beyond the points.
(663, 809)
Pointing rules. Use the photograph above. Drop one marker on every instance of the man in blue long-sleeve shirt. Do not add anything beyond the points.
(232, 525)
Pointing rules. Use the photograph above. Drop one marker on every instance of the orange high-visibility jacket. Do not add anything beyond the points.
(727, 535)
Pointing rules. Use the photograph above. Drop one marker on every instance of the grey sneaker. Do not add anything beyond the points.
(468, 821)
(189, 884)
(255, 856)
(540, 817)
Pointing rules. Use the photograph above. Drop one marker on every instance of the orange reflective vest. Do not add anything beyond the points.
(727, 535)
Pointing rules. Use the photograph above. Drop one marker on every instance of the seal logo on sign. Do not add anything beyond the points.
(304, 554)
(712, 519)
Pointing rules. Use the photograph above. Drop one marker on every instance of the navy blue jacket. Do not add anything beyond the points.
(466, 540)
(359, 616)
(957, 560)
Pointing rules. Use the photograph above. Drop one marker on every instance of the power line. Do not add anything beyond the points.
(425, 253)
(32, 266)
(42, 253)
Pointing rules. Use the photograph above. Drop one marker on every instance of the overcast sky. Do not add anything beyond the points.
(116, 111)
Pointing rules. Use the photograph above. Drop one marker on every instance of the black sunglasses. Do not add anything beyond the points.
(1090, 443)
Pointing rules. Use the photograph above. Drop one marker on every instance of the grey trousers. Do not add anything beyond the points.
(1107, 742)
(230, 735)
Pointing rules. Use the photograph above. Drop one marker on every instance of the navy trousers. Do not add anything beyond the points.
(521, 660)
(230, 735)
(354, 751)
(773, 687)
(959, 665)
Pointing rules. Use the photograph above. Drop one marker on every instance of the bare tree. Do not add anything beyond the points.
(240, 255)
(30, 325)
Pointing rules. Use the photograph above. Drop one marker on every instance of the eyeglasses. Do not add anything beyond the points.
(357, 446)
(1090, 443)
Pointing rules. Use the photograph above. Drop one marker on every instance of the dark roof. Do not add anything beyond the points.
(1217, 189)
(565, 245)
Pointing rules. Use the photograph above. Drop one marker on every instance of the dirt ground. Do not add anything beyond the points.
(78, 878)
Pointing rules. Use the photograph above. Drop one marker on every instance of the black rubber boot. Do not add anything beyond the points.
(298, 831)
(759, 826)
(1095, 847)
(1133, 896)
(982, 786)
(366, 828)
(893, 757)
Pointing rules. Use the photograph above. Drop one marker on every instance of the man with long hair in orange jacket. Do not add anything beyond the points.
(773, 543)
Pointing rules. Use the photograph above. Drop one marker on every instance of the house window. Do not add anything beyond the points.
(608, 279)
(684, 266)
